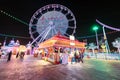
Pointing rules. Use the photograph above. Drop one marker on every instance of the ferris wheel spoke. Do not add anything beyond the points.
(33, 27)
(62, 27)
(63, 32)
(67, 13)
(71, 19)
(52, 32)
(39, 36)
(45, 35)
(67, 34)
(55, 30)
(34, 32)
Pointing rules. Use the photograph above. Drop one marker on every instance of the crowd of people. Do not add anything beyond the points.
(65, 56)
(9, 54)
(75, 57)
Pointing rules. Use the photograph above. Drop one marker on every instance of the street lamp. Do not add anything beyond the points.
(95, 28)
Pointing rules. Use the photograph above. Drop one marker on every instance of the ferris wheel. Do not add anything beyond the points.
(49, 20)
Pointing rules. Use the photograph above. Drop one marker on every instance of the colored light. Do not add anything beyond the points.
(95, 28)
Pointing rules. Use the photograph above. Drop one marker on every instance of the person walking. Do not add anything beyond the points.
(9, 56)
(65, 58)
(22, 55)
(17, 54)
(72, 58)
(0, 53)
(81, 55)
(76, 55)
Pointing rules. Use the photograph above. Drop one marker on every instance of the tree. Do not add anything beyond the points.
(116, 44)
(92, 46)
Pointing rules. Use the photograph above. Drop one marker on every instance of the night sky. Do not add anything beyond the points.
(85, 12)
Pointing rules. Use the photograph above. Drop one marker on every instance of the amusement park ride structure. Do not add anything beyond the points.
(104, 33)
(52, 19)
(49, 20)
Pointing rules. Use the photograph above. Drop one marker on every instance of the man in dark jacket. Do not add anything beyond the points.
(9, 56)
(81, 55)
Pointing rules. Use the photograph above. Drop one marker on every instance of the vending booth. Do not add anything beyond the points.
(54, 47)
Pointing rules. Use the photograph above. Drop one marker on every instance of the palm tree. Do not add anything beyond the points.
(92, 46)
(103, 46)
(116, 44)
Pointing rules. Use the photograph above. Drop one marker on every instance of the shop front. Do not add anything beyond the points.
(53, 48)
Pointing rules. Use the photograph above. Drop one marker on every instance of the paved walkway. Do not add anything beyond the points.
(35, 69)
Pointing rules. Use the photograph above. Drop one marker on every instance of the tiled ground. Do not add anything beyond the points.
(35, 69)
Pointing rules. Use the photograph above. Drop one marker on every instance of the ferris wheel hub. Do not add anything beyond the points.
(51, 23)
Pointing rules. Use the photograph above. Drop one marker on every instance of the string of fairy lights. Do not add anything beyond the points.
(85, 37)
(14, 36)
(23, 22)
(9, 15)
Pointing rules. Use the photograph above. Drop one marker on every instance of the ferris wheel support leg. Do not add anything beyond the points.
(39, 36)
(44, 36)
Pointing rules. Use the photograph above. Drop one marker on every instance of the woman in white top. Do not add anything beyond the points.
(65, 58)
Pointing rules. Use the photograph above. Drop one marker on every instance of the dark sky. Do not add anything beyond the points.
(84, 11)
